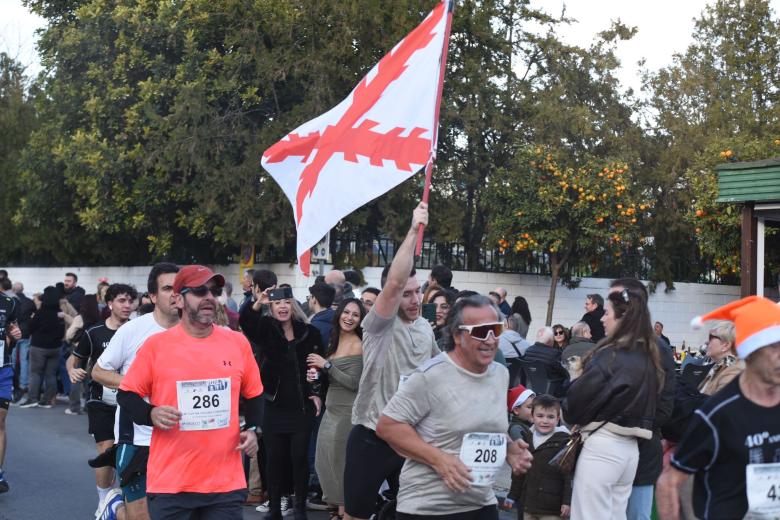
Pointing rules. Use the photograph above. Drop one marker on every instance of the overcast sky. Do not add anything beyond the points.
(664, 26)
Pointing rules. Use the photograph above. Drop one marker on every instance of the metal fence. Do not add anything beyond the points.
(636, 263)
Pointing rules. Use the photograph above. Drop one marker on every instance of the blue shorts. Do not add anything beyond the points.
(126, 455)
(6, 386)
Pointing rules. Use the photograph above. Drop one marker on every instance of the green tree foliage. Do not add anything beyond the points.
(718, 102)
(17, 121)
(578, 216)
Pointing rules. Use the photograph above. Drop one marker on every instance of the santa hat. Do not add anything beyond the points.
(517, 396)
(756, 320)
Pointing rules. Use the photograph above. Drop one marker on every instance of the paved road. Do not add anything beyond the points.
(48, 473)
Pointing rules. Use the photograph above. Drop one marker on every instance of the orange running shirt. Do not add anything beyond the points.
(195, 460)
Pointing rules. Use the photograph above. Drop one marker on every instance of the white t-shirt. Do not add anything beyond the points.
(118, 356)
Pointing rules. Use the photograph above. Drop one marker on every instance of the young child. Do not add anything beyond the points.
(519, 402)
(546, 492)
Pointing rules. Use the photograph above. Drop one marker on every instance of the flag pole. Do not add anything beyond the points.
(434, 141)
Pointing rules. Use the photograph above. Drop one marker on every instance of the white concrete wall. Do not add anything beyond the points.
(674, 309)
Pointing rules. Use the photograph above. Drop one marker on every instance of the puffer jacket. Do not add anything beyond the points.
(545, 488)
(619, 387)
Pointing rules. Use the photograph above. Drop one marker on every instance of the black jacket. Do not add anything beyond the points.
(549, 356)
(650, 451)
(545, 488)
(593, 319)
(618, 386)
(26, 310)
(278, 359)
(46, 328)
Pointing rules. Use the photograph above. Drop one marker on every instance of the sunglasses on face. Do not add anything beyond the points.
(559, 333)
(712, 336)
(203, 290)
(482, 332)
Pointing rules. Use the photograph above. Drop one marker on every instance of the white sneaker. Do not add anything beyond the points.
(286, 506)
(107, 510)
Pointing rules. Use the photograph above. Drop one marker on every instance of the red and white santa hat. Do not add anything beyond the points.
(756, 320)
(517, 396)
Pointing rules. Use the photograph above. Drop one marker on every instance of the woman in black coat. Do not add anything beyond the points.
(284, 340)
(46, 333)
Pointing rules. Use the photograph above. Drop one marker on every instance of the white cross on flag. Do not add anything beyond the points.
(379, 136)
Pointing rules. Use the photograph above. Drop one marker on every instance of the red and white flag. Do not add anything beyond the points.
(379, 136)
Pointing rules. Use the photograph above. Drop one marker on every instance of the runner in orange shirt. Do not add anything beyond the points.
(193, 374)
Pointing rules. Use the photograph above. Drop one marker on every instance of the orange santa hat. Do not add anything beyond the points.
(756, 320)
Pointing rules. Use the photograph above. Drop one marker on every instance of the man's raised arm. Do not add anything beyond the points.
(386, 305)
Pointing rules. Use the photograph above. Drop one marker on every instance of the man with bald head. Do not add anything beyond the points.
(502, 303)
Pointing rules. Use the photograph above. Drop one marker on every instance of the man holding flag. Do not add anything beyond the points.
(380, 135)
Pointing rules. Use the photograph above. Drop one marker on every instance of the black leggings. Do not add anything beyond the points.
(283, 451)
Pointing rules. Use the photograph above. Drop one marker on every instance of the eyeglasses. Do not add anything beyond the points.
(201, 291)
(559, 333)
(482, 331)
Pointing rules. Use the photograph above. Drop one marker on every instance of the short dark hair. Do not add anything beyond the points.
(546, 401)
(5, 284)
(372, 290)
(115, 289)
(443, 275)
(597, 299)
(75, 278)
(466, 294)
(324, 293)
(3, 273)
(264, 278)
(353, 277)
(387, 270)
(157, 269)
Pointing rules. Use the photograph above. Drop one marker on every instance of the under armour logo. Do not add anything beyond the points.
(227, 363)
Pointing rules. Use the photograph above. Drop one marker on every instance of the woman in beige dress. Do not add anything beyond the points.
(341, 366)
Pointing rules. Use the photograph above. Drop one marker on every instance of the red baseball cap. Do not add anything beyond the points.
(195, 276)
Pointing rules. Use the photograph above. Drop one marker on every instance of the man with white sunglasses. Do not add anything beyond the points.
(448, 423)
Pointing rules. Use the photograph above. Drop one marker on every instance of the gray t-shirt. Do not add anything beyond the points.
(443, 402)
(391, 349)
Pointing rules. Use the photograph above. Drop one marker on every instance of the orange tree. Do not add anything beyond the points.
(564, 217)
(717, 225)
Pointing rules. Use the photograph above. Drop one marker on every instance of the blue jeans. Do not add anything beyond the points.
(23, 348)
(640, 503)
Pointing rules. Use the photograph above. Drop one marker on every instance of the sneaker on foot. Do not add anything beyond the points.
(110, 504)
(68, 411)
(4, 487)
(27, 403)
(44, 404)
(287, 507)
(61, 398)
(316, 504)
(264, 507)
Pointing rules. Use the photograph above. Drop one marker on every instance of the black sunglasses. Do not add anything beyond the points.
(203, 290)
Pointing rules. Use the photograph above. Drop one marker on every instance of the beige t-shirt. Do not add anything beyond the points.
(391, 349)
(443, 402)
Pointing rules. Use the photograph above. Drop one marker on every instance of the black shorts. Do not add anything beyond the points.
(483, 513)
(101, 420)
(205, 506)
(369, 462)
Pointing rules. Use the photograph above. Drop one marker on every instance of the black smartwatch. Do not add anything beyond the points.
(249, 428)
(327, 365)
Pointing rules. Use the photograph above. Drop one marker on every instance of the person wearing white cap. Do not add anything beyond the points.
(732, 445)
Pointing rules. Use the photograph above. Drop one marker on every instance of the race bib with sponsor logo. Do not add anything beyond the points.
(204, 404)
(483, 454)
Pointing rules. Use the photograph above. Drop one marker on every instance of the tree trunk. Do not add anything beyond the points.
(555, 269)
